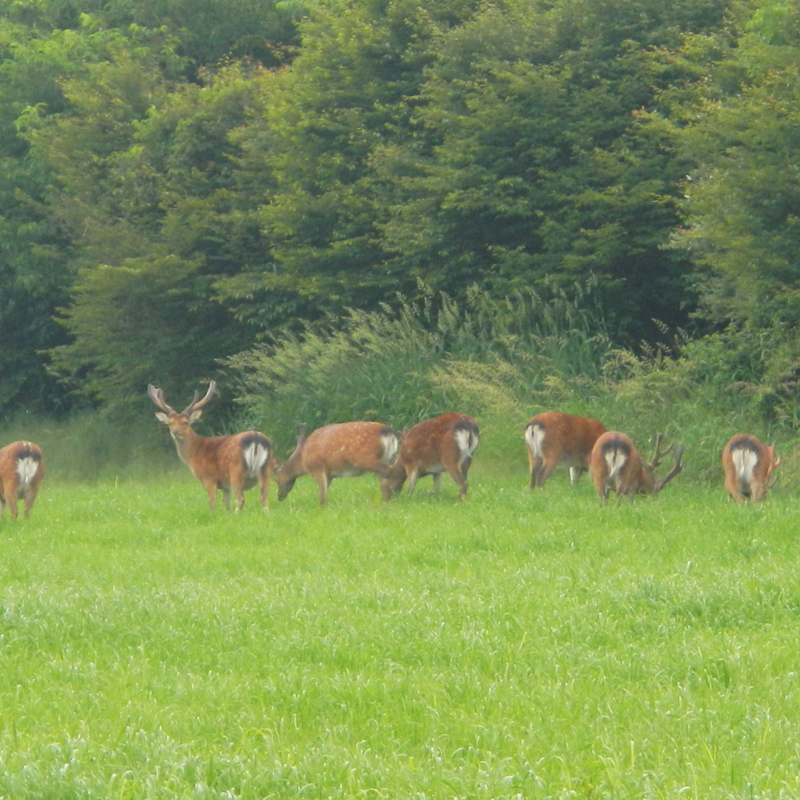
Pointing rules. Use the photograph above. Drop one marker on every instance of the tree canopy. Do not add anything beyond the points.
(183, 180)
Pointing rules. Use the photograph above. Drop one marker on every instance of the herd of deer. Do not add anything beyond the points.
(443, 444)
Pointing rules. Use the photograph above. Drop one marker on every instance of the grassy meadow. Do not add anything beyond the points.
(516, 645)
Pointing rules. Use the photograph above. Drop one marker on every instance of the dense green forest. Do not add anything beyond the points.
(191, 188)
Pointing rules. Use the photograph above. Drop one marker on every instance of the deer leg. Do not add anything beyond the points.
(30, 496)
(211, 490)
(546, 471)
(226, 497)
(536, 465)
(264, 484)
(575, 474)
(412, 480)
(11, 500)
(322, 481)
(600, 485)
(733, 488)
(461, 480)
(239, 495)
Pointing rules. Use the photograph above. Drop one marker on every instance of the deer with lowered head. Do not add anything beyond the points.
(21, 472)
(442, 444)
(617, 466)
(339, 450)
(230, 463)
(748, 466)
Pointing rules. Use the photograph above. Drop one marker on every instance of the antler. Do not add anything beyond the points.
(157, 396)
(776, 462)
(678, 452)
(657, 456)
(197, 405)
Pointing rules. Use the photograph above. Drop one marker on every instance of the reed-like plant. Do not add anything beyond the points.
(401, 365)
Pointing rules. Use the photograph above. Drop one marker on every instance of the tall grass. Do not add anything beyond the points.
(518, 645)
(91, 446)
(402, 366)
(503, 362)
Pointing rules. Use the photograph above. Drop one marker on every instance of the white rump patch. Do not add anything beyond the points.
(745, 460)
(616, 459)
(466, 441)
(254, 456)
(26, 469)
(391, 445)
(534, 436)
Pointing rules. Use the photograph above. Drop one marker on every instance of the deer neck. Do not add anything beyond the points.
(188, 445)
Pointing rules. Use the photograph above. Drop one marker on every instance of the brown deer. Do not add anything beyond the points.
(555, 439)
(442, 444)
(748, 465)
(341, 450)
(617, 466)
(230, 463)
(21, 472)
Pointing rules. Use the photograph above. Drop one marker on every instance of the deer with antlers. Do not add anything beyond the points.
(435, 446)
(617, 466)
(21, 472)
(747, 466)
(340, 450)
(230, 463)
(555, 439)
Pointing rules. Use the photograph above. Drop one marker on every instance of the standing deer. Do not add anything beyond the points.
(617, 466)
(555, 440)
(748, 465)
(230, 463)
(341, 450)
(21, 472)
(442, 444)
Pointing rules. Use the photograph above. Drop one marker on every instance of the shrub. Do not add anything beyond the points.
(403, 365)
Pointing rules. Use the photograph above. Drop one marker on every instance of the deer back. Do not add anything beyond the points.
(21, 464)
(747, 466)
(617, 466)
(443, 443)
(21, 472)
(339, 450)
(451, 436)
(564, 439)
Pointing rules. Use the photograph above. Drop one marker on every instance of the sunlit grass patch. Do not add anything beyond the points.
(520, 643)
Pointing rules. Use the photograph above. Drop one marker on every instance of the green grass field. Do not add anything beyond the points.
(517, 645)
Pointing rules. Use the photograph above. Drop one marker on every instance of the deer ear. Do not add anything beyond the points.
(162, 417)
(195, 415)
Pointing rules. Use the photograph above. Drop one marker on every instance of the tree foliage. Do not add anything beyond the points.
(743, 197)
(185, 179)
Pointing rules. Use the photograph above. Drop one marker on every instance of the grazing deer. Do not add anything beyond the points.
(231, 463)
(341, 450)
(748, 465)
(442, 444)
(21, 472)
(555, 440)
(616, 466)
